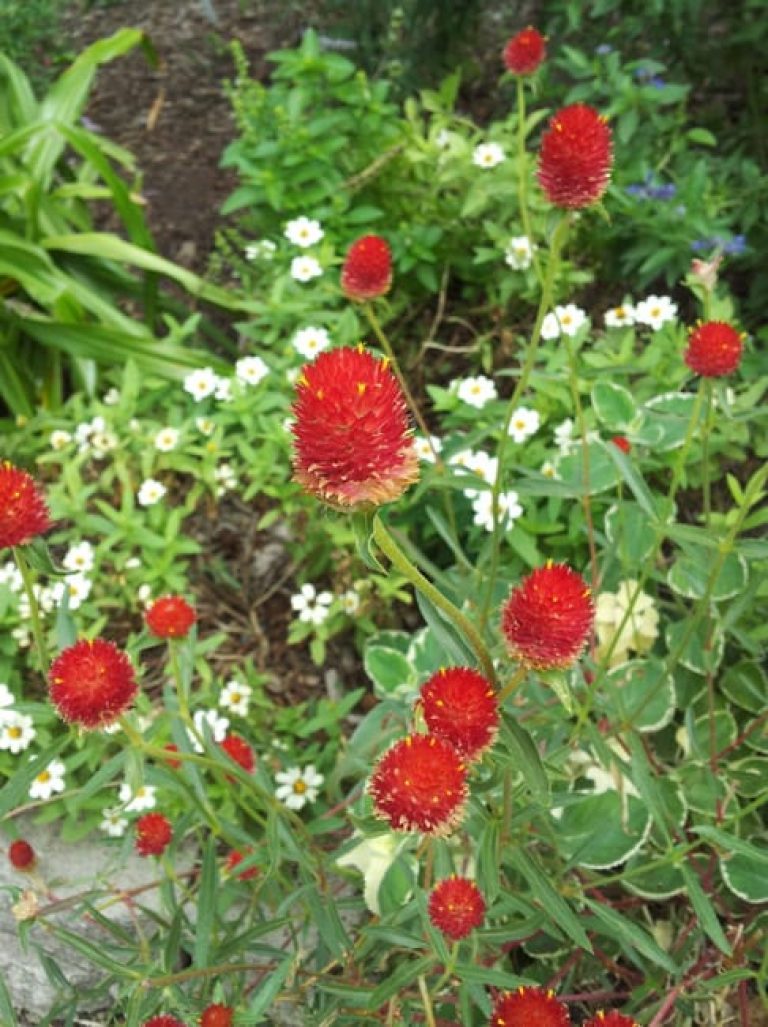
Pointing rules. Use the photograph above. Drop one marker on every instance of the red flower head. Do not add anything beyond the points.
(460, 706)
(524, 52)
(240, 751)
(234, 859)
(353, 447)
(153, 834)
(575, 157)
(170, 617)
(217, 1016)
(367, 270)
(420, 784)
(612, 1019)
(21, 855)
(164, 1021)
(714, 349)
(92, 683)
(529, 1007)
(23, 513)
(621, 443)
(456, 907)
(170, 748)
(548, 617)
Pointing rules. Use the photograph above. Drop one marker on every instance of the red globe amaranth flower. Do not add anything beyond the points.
(217, 1016)
(234, 859)
(92, 683)
(529, 1007)
(21, 855)
(621, 443)
(546, 620)
(367, 270)
(612, 1019)
(460, 706)
(524, 52)
(170, 748)
(575, 157)
(23, 512)
(170, 617)
(456, 907)
(714, 349)
(240, 751)
(164, 1021)
(420, 784)
(153, 834)
(352, 442)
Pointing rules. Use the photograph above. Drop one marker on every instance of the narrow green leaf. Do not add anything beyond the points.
(206, 904)
(555, 905)
(7, 1015)
(634, 480)
(404, 975)
(525, 756)
(97, 955)
(730, 843)
(628, 933)
(14, 792)
(704, 909)
(269, 989)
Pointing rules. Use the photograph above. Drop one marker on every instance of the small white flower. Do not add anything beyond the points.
(570, 318)
(304, 269)
(311, 606)
(476, 391)
(251, 370)
(564, 437)
(111, 397)
(132, 563)
(519, 253)
(480, 463)
(488, 155)
(167, 439)
(136, 802)
(205, 425)
(234, 697)
(443, 139)
(618, 317)
(48, 781)
(201, 383)
(223, 391)
(60, 439)
(524, 423)
(79, 557)
(350, 602)
(10, 575)
(16, 731)
(144, 594)
(77, 588)
(509, 509)
(550, 327)
(655, 311)
(113, 823)
(226, 479)
(111, 729)
(21, 636)
(308, 342)
(297, 787)
(426, 449)
(303, 232)
(638, 633)
(549, 470)
(151, 492)
(6, 696)
(216, 724)
(262, 249)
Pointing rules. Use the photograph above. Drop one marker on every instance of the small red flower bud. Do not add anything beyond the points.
(460, 706)
(234, 859)
(92, 683)
(367, 270)
(217, 1016)
(171, 747)
(170, 617)
(525, 52)
(714, 349)
(612, 1019)
(575, 157)
(21, 855)
(240, 751)
(529, 1007)
(456, 907)
(153, 834)
(23, 512)
(164, 1021)
(621, 443)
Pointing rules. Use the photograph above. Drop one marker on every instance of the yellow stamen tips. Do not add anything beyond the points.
(320, 393)
(408, 740)
(600, 1014)
(360, 347)
(439, 702)
(361, 387)
(385, 362)
(550, 563)
(43, 776)
(550, 993)
(521, 990)
(587, 592)
(302, 380)
(14, 732)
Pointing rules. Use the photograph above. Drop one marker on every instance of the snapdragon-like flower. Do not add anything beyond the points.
(525, 51)
(372, 857)
(170, 617)
(641, 627)
(714, 349)
(23, 511)
(460, 706)
(153, 834)
(353, 446)
(547, 619)
(92, 683)
(456, 907)
(575, 157)
(529, 1007)
(367, 270)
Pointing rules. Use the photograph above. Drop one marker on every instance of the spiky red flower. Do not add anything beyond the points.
(217, 1016)
(153, 834)
(164, 1021)
(21, 855)
(23, 512)
(352, 442)
(456, 907)
(91, 683)
(234, 859)
(525, 51)
(548, 617)
(240, 751)
(367, 270)
(460, 706)
(575, 157)
(612, 1019)
(714, 349)
(420, 784)
(529, 1007)
(170, 617)
(621, 443)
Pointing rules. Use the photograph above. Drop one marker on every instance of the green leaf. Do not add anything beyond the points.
(731, 843)
(206, 904)
(399, 979)
(14, 792)
(613, 406)
(554, 904)
(524, 756)
(746, 877)
(601, 830)
(704, 909)
(270, 988)
(7, 1015)
(690, 573)
(746, 685)
(627, 468)
(702, 136)
(97, 955)
(641, 694)
(627, 933)
(389, 670)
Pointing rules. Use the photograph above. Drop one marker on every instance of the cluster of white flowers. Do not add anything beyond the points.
(213, 722)
(524, 424)
(475, 391)
(261, 249)
(565, 320)
(94, 437)
(310, 341)
(312, 606)
(486, 468)
(226, 479)
(138, 801)
(427, 448)
(654, 311)
(519, 253)
(10, 575)
(637, 634)
(150, 492)
(297, 787)
(235, 697)
(16, 729)
(488, 155)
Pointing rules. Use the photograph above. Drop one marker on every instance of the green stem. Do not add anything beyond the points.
(706, 386)
(558, 241)
(522, 176)
(397, 557)
(517, 678)
(581, 424)
(34, 609)
(426, 1002)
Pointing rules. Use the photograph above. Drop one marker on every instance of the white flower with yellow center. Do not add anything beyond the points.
(509, 509)
(524, 423)
(350, 601)
(620, 317)
(205, 425)
(136, 802)
(16, 731)
(549, 470)
(312, 606)
(303, 232)
(59, 439)
(304, 269)
(251, 370)
(150, 492)
(213, 722)
(79, 557)
(308, 342)
(103, 442)
(201, 383)
(479, 463)
(76, 587)
(48, 781)
(519, 253)
(655, 311)
(426, 449)
(476, 391)
(637, 634)
(297, 787)
(488, 155)
(167, 439)
(113, 822)
(235, 697)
